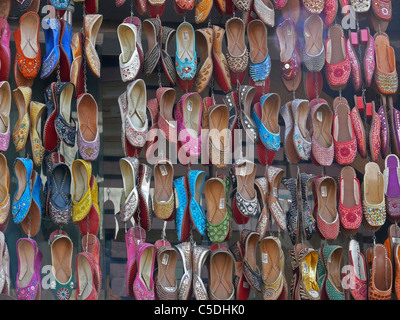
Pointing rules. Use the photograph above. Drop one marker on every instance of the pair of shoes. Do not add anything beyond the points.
(61, 249)
(92, 24)
(297, 137)
(304, 261)
(219, 213)
(329, 273)
(58, 34)
(88, 272)
(26, 205)
(28, 282)
(164, 197)
(300, 218)
(374, 197)
(5, 282)
(28, 57)
(362, 39)
(5, 202)
(193, 259)
(133, 108)
(85, 206)
(5, 53)
(166, 286)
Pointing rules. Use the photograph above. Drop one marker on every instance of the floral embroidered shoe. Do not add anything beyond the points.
(163, 199)
(200, 256)
(185, 285)
(51, 58)
(237, 54)
(219, 215)
(4, 193)
(188, 114)
(166, 286)
(59, 201)
(338, 67)
(61, 248)
(182, 219)
(304, 285)
(222, 264)
(129, 61)
(274, 177)
(182, 6)
(301, 135)
(22, 98)
(186, 58)
(219, 136)
(221, 72)
(129, 198)
(36, 110)
(82, 198)
(28, 283)
(5, 108)
(322, 148)
(330, 11)
(246, 96)
(344, 138)
(289, 58)
(92, 23)
(358, 272)
(326, 213)
(329, 264)
(5, 54)
(245, 201)
(28, 58)
(259, 58)
(374, 197)
(143, 286)
(350, 205)
(204, 41)
(385, 75)
(23, 196)
(273, 268)
(197, 214)
(268, 127)
(391, 175)
(356, 77)
(64, 122)
(88, 136)
(136, 124)
(314, 49)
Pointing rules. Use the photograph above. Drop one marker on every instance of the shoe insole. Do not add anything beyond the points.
(384, 54)
(145, 267)
(29, 36)
(270, 114)
(127, 43)
(166, 268)
(4, 121)
(65, 102)
(327, 201)
(382, 276)
(128, 177)
(308, 271)
(185, 36)
(257, 36)
(27, 258)
(85, 278)
(373, 191)
(343, 124)
(350, 193)
(322, 126)
(201, 48)
(163, 182)
(334, 269)
(21, 173)
(167, 102)
(81, 181)
(198, 186)
(191, 110)
(270, 261)
(235, 31)
(245, 175)
(221, 275)
(218, 124)
(313, 36)
(216, 201)
(87, 115)
(286, 36)
(393, 189)
(137, 106)
(338, 48)
(61, 253)
(251, 250)
(302, 112)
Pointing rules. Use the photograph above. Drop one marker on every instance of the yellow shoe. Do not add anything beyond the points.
(82, 199)
(22, 97)
(36, 110)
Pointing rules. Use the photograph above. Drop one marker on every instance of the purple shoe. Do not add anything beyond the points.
(391, 176)
(384, 131)
(88, 132)
(394, 127)
(28, 282)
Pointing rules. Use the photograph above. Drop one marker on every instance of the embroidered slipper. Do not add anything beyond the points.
(359, 129)
(330, 11)
(220, 65)
(182, 219)
(5, 55)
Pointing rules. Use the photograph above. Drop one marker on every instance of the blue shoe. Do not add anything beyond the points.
(65, 48)
(181, 217)
(22, 197)
(186, 58)
(260, 71)
(197, 214)
(31, 223)
(51, 29)
(265, 116)
(60, 4)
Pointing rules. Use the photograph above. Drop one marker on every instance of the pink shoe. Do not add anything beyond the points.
(143, 286)
(355, 65)
(5, 108)
(133, 237)
(369, 59)
(5, 55)
(330, 11)
(375, 135)
(279, 4)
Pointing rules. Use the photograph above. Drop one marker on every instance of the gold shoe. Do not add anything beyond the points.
(22, 97)
(164, 200)
(36, 110)
(92, 23)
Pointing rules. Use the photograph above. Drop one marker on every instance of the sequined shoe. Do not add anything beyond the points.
(22, 97)
(200, 255)
(166, 286)
(143, 286)
(314, 50)
(22, 200)
(129, 167)
(182, 217)
(129, 62)
(4, 193)
(274, 176)
(185, 285)
(5, 108)
(164, 199)
(197, 214)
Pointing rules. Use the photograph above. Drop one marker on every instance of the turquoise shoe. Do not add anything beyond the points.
(266, 120)
(51, 29)
(182, 219)
(186, 58)
(197, 214)
(22, 197)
